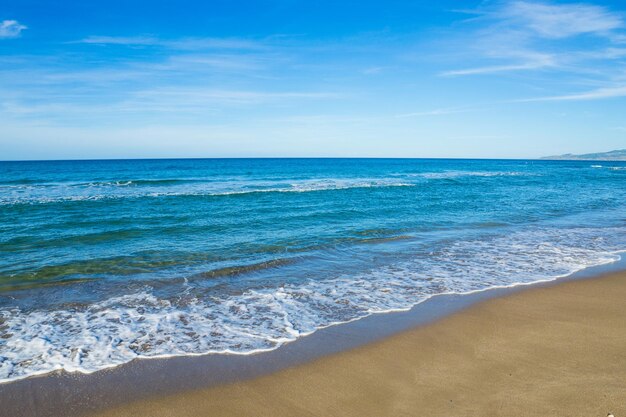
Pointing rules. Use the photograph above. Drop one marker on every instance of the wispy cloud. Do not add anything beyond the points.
(547, 62)
(174, 101)
(11, 29)
(606, 53)
(561, 20)
(527, 35)
(219, 61)
(182, 43)
(194, 97)
(437, 112)
(372, 70)
(144, 77)
(597, 94)
(119, 40)
(160, 69)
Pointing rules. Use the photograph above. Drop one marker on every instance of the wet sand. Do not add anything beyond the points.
(556, 350)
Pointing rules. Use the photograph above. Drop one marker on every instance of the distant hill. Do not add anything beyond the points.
(617, 155)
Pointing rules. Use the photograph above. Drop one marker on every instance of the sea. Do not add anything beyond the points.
(106, 261)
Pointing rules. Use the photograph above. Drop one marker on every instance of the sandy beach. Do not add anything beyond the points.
(323, 209)
(556, 350)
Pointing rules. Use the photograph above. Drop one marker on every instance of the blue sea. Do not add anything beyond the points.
(102, 262)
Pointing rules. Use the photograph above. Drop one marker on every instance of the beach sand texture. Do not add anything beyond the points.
(548, 351)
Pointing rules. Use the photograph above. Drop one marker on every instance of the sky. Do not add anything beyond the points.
(460, 79)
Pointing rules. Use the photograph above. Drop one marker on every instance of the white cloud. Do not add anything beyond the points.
(120, 40)
(372, 70)
(562, 20)
(182, 44)
(597, 94)
(521, 60)
(499, 68)
(11, 29)
(437, 112)
(607, 53)
(172, 99)
(216, 61)
(526, 36)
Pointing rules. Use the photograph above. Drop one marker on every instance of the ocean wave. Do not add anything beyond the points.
(197, 321)
(207, 190)
(460, 174)
(232, 271)
(46, 193)
(611, 168)
(157, 182)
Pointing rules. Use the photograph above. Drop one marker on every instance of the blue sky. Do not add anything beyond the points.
(132, 79)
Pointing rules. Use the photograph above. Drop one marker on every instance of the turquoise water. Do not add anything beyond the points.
(102, 262)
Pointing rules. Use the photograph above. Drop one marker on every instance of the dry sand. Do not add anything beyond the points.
(550, 351)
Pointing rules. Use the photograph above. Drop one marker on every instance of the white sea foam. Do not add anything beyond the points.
(611, 168)
(127, 189)
(141, 324)
(460, 174)
(44, 193)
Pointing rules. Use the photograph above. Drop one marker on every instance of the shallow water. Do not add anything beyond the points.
(105, 261)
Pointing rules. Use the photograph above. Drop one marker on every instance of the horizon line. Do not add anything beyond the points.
(275, 157)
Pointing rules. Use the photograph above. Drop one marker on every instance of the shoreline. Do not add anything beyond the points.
(552, 350)
(62, 393)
